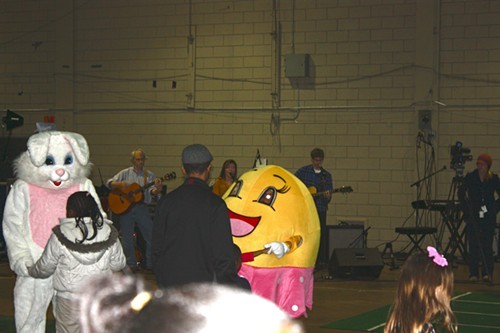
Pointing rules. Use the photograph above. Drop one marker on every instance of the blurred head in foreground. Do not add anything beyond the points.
(121, 303)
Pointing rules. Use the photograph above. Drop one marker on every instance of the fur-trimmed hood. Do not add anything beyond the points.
(90, 251)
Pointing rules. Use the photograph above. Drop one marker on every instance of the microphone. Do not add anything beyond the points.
(257, 158)
(231, 175)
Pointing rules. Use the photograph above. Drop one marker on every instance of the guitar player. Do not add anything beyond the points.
(313, 175)
(138, 213)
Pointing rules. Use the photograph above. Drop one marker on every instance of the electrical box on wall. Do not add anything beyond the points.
(296, 65)
(424, 120)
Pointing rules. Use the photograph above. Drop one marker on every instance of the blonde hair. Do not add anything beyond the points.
(423, 296)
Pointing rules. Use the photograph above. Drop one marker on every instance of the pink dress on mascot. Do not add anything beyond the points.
(55, 165)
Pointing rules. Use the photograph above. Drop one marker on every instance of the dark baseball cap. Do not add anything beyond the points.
(196, 154)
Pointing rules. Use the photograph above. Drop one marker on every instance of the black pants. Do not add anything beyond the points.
(480, 239)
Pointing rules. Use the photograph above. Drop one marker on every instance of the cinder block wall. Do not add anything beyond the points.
(163, 74)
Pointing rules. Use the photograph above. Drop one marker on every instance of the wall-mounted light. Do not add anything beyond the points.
(12, 120)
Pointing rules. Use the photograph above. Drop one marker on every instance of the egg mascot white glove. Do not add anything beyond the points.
(279, 249)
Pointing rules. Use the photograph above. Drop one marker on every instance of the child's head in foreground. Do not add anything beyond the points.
(423, 295)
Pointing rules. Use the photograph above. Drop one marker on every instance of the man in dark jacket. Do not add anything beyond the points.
(192, 239)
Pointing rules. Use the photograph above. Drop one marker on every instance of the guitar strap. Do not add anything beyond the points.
(145, 182)
(322, 181)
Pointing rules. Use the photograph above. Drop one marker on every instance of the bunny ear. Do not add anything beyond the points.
(79, 146)
(38, 146)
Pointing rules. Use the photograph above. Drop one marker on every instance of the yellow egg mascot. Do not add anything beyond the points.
(273, 212)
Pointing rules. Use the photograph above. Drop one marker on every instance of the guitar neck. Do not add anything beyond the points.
(148, 185)
(335, 190)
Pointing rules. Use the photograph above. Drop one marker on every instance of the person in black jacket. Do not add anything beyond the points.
(192, 239)
(477, 196)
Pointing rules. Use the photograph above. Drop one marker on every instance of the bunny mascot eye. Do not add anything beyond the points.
(49, 160)
(68, 160)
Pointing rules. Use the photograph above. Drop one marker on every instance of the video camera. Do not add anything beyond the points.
(459, 155)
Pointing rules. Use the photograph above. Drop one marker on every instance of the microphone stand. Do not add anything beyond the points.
(427, 177)
(4, 158)
(363, 234)
(257, 158)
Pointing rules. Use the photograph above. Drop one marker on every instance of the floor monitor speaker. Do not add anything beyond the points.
(356, 263)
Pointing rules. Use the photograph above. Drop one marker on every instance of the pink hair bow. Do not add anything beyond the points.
(439, 259)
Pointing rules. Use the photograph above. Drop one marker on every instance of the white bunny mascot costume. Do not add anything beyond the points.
(55, 165)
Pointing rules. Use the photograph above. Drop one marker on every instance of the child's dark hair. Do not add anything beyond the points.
(237, 256)
(82, 205)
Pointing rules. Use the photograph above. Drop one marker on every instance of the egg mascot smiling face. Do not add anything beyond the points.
(273, 212)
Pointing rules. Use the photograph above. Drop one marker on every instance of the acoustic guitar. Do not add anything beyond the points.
(343, 189)
(120, 200)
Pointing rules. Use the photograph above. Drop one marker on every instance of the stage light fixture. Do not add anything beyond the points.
(12, 120)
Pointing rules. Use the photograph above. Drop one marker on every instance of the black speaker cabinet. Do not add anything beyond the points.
(357, 264)
(345, 235)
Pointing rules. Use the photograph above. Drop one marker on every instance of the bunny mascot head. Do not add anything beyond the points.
(54, 166)
(54, 160)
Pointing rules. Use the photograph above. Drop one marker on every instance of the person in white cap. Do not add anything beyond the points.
(192, 239)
